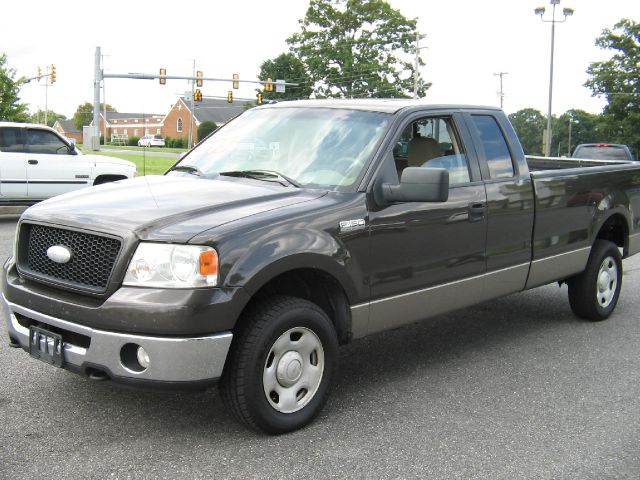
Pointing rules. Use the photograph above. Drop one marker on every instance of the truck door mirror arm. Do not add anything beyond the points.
(419, 184)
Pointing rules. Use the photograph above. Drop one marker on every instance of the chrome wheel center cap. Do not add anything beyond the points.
(289, 369)
(604, 281)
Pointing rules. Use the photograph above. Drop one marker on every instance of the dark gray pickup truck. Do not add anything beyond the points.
(301, 226)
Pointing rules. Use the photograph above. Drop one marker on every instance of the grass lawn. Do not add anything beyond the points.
(149, 165)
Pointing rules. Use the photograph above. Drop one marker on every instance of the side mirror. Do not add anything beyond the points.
(72, 148)
(419, 184)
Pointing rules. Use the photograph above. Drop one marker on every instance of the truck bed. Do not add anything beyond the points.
(573, 199)
(537, 164)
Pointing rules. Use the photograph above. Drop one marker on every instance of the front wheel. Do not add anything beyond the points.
(281, 365)
(594, 293)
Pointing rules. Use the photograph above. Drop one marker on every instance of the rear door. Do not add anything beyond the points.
(52, 166)
(13, 165)
(510, 202)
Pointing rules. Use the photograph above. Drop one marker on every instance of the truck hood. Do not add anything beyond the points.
(163, 208)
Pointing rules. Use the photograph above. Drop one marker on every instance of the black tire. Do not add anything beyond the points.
(277, 337)
(594, 293)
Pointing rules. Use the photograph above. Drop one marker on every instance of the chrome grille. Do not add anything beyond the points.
(92, 259)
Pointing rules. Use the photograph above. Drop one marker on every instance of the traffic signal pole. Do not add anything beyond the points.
(100, 76)
(46, 98)
(193, 87)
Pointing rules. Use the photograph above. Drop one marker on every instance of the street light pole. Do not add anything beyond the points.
(501, 74)
(417, 63)
(567, 12)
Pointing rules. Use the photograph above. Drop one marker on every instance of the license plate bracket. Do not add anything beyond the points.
(46, 346)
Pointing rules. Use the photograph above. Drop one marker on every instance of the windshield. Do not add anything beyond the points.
(602, 152)
(309, 147)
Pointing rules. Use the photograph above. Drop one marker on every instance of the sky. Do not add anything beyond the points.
(467, 43)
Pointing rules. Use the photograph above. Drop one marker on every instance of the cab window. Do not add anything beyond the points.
(432, 142)
(495, 147)
(43, 141)
(11, 139)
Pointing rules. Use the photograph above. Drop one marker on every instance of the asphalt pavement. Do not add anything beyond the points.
(513, 388)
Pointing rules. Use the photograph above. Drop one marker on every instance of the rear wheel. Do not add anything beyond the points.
(594, 293)
(281, 365)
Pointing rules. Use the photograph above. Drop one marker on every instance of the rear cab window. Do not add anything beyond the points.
(494, 145)
(11, 140)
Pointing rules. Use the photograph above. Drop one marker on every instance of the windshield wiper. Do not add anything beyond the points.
(263, 175)
(189, 169)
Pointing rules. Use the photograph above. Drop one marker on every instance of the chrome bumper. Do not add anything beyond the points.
(193, 359)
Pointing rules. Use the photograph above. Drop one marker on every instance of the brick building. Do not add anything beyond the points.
(67, 128)
(126, 125)
(217, 110)
(175, 123)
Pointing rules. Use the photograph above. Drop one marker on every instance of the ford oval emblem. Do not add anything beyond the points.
(59, 253)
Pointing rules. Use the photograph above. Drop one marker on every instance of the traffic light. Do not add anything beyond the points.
(39, 73)
(199, 80)
(163, 81)
(268, 86)
(53, 73)
(197, 95)
(236, 83)
(259, 98)
(230, 96)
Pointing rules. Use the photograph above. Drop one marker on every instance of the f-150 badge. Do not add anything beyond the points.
(351, 225)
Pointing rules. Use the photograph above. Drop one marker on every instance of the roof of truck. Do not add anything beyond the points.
(384, 105)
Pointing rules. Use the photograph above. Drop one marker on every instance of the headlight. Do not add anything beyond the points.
(172, 266)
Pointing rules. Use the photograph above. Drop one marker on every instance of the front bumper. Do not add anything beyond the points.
(173, 360)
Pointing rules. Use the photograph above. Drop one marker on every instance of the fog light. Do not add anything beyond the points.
(143, 358)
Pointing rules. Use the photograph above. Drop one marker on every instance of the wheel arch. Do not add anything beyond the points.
(615, 228)
(100, 179)
(313, 283)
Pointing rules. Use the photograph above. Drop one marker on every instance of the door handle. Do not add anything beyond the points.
(477, 211)
(33, 162)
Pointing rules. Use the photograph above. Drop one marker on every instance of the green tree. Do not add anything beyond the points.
(205, 128)
(10, 107)
(290, 68)
(52, 117)
(618, 80)
(529, 124)
(357, 48)
(583, 127)
(84, 114)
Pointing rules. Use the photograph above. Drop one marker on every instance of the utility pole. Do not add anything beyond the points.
(417, 63)
(193, 86)
(97, 78)
(569, 146)
(46, 97)
(104, 101)
(501, 74)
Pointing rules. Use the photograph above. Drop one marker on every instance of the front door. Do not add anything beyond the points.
(429, 257)
(52, 167)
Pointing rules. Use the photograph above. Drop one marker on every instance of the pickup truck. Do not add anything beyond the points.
(603, 151)
(302, 226)
(36, 163)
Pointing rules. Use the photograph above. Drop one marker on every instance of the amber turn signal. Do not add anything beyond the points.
(209, 263)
